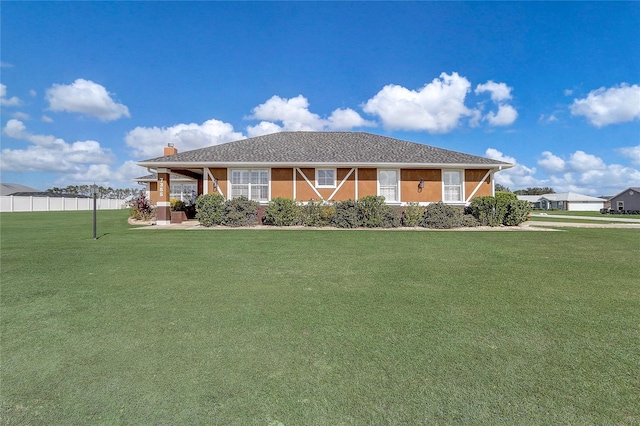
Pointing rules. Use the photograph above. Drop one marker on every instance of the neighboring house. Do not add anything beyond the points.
(15, 188)
(629, 199)
(182, 188)
(327, 166)
(569, 201)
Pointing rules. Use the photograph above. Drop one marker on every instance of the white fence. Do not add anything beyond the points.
(11, 203)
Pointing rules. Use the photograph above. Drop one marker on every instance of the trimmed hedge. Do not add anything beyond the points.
(241, 212)
(374, 213)
(316, 213)
(442, 216)
(282, 212)
(503, 209)
(210, 209)
(367, 212)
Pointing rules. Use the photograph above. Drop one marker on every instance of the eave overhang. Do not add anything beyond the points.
(199, 165)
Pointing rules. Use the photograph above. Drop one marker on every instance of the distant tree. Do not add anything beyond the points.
(118, 193)
(502, 188)
(535, 191)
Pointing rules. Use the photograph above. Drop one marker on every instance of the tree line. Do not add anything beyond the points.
(85, 190)
(528, 191)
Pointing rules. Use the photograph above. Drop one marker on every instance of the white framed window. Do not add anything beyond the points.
(326, 178)
(620, 205)
(388, 185)
(452, 186)
(253, 184)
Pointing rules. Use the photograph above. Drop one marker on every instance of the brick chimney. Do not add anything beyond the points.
(170, 150)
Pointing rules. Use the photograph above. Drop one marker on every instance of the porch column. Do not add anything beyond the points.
(163, 212)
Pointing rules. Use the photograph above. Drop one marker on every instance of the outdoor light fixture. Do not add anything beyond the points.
(420, 185)
(215, 183)
(94, 192)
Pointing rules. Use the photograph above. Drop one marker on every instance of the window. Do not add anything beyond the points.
(388, 181)
(326, 178)
(183, 192)
(253, 184)
(452, 185)
(620, 205)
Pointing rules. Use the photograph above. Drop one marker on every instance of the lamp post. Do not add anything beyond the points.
(94, 192)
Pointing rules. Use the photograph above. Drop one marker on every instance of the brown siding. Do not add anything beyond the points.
(153, 193)
(367, 182)
(471, 180)
(221, 175)
(348, 189)
(303, 191)
(409, 180)
(282, 183)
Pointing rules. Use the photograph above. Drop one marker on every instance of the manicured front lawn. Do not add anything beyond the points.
(316, 327)
(586, 214)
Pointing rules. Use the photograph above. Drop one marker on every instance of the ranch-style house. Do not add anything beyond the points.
(324, 166)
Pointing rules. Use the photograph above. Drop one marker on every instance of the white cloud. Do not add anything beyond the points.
(606, 181)
(632, 152)
(85, 97)
(568, 92)
(345, 119)
(12, 101)
(506, 116)
(46, 119)
(21, 116)
(48, 153)
(437, 107)
(551, 163)
(543, 119)
(263, 128)
(580, 161)
(150, 141)
(499, 91)
(583, 173)
(519, 176)
(294, 115)
(614, 105)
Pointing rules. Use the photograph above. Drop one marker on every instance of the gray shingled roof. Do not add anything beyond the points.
(154, 177)
(324, 148)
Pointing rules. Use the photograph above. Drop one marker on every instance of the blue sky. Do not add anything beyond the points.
(89, 88)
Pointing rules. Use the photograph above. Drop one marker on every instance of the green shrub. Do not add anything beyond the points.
(442, 216)
(517, 213)
(413, 215)
(503, 199)
(484, 210)
(281, 212)
(503, 209)
(347, 214)
(374, 213)
(210, 209)
(316, 213)
(468, 221)
(240, 212)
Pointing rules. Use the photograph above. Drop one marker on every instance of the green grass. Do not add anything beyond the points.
(586, 214)
(311, 327)
(569, 220)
